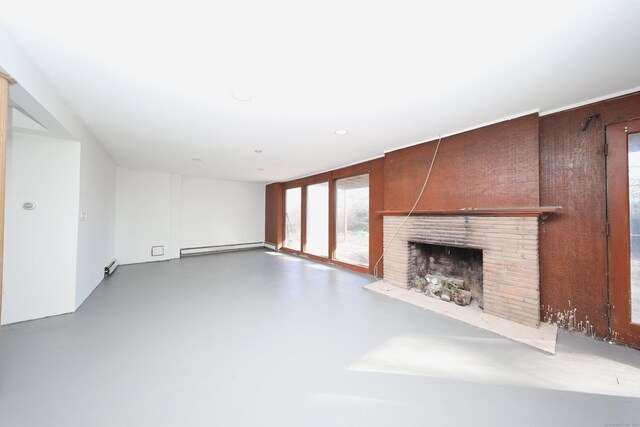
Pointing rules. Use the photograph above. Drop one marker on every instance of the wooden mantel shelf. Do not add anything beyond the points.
(515, 211)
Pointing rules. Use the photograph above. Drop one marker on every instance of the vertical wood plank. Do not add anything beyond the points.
(4, 112)
(376, 204)
(274, 214)
(332, 218)
(619, 255)
(303, 219)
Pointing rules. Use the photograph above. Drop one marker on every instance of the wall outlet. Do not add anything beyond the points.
(157, 250)
(84, 216)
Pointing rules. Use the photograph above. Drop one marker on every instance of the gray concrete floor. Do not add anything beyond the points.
(263, 339)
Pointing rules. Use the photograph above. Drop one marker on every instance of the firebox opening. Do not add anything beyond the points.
(448, 262)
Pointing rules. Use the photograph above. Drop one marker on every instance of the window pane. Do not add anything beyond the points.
(292, 223)
(634, 221)
(352, 220)
(318, 220)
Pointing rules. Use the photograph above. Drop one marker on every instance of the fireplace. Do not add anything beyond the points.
(448, 262)
(509, 256)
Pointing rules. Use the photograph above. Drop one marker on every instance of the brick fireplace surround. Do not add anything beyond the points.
(509, 244)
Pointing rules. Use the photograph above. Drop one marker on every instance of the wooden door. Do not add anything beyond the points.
(623, 211)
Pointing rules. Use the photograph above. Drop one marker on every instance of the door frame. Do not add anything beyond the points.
(5, 82)
(621, 329)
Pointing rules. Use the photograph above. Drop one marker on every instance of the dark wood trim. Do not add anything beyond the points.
(290, 251)
(353, 267)
(376, 203)
(345, 172)
(332, 218)
(283, 219)
(353, 170)
(310, 180)
(303, 218)
(316, 257)
(622, 328)
(533, 211)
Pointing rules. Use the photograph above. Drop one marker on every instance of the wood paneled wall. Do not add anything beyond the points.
(376, 204)
(573, 243)
(528, 161)
(274, 207)
(494, 166)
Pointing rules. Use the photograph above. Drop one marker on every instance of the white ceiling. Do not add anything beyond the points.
(153, 80)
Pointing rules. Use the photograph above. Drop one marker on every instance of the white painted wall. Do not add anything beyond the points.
(159, 208)
(96, 235)
(35, 95)
(40, 245)
(147, 209)
(176, 215)
(217, 212)
(143, 214)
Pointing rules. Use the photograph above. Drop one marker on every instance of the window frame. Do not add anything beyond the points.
(330, 177)
(335, 228)
(306, 205)
(284, 220)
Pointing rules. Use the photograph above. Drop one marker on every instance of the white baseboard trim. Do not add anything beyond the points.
(202, 250)
(270, 246)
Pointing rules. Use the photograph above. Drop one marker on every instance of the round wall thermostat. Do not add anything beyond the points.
(29, 206)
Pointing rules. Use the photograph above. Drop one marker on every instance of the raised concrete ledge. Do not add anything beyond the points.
(542, 338)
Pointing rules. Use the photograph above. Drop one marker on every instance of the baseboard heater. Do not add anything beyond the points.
(109, 269)
(202, 250)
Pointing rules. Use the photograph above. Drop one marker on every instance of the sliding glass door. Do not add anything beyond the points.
(329, 220)
(317, 232)
(352, 220)
(293, 219)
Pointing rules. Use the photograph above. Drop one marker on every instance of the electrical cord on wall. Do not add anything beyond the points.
(413, 208)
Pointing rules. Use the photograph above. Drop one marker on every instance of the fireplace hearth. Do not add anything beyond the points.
(508, 247)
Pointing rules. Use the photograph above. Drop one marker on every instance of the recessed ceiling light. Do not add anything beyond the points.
(342, 132)
(240, 95)
(257, 151)
(196, 159)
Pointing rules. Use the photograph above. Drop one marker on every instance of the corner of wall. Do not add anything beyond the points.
(176, 215)
(96, 227)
